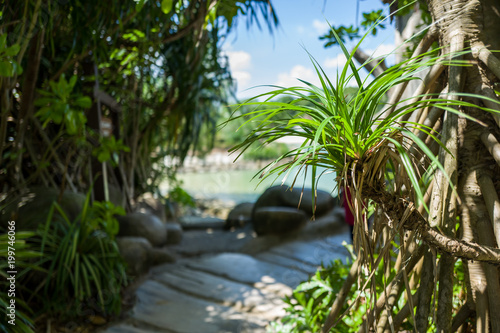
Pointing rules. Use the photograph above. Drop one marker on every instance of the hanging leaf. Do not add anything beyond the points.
(166, 6)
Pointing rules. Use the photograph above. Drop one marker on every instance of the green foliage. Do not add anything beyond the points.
(108, 150)
(311, 301)
(62, 105)
(8, 66)
(158, 63)
(371, 19)
(371, 22)
(84, 266)
(180, 196)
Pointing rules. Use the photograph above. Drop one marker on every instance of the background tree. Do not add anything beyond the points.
(152, 69)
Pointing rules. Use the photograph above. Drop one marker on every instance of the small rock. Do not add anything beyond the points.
(239, 215)
(160, 256)
(143, 225)
(174, 233)
(135, 252)
(278, 220)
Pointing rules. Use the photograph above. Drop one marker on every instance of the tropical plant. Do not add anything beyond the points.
(82, 260)
(18, 247)
(360, 144)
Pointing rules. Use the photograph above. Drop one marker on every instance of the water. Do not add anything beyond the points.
(238, 186)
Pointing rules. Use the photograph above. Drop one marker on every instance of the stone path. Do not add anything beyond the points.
(230, 291)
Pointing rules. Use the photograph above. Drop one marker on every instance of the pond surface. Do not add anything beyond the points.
(238, 185)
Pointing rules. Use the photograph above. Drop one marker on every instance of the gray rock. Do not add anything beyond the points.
(163, 307)
(284, 196)
(32, 208)
(135, 252)
(117, 195)
(160, 256)
(239, 215)
(220, 290)
(324, 201)
(278, 220)
(174, 233)
(143, 225)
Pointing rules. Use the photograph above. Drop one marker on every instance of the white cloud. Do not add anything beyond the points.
(337, 63)
(381, 50)
(240, 62)
(289, 79)
(321, 27)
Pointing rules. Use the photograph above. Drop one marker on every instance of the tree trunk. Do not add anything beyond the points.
(477, 22)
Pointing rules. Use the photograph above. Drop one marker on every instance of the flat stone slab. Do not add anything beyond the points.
(200, 222)
(217, 289)
(277, 259)
(312, 252)
(129, 328)
(163, 307)
(202, 241)
(246, 269)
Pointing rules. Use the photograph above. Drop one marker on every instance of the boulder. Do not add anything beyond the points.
(32, 208)
(284, 196)
(117, 196)
(239, 215)
(135, 252)
(143, 225)
(324, 201)
(174, 233)
(278, 220)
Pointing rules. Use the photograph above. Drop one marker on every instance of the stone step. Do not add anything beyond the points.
(278, 259)
(134, 328)
(247, 269)
(163, 307)
(313, 252)
(213, 288)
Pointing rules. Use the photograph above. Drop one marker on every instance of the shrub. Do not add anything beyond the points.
(84, 266)
(22, 254)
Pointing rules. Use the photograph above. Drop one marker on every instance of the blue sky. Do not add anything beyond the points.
(258, 58)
